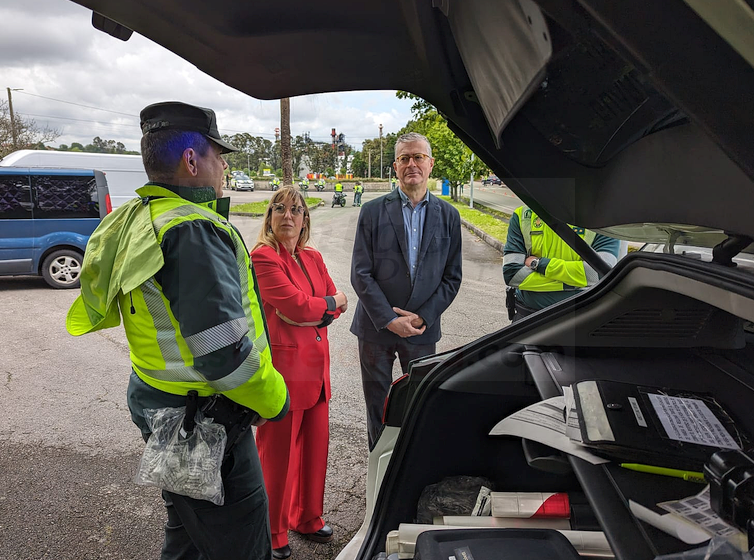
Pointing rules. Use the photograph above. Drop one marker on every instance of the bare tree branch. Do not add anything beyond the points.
(28, 133)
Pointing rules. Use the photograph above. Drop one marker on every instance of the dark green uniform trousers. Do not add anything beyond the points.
(198, 529)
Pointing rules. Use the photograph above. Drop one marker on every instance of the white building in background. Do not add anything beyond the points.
(349, 162)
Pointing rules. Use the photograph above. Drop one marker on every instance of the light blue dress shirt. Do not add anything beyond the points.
(413, 225)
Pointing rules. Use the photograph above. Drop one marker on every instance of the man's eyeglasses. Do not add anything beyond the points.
(418, 158)
(280, 208)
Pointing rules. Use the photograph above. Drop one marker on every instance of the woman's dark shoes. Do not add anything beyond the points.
(322, 536)
(282, 552)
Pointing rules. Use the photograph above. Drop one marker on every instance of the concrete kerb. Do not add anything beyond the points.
(488, 239)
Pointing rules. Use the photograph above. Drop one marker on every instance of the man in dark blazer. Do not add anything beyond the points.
(406, 270)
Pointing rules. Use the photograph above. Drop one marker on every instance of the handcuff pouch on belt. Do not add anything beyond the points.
(236, 418)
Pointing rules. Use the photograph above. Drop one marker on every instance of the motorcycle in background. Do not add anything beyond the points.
(339, 198)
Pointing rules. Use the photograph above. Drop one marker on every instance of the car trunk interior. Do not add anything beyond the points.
(654, 321)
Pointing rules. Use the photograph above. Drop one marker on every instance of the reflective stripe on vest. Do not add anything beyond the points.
(525, 219)
(169, 365)
(546, 244)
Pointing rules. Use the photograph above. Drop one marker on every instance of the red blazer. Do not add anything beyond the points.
(303, 360)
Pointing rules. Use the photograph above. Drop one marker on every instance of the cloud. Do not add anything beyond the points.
(50, 49)
(54, 38)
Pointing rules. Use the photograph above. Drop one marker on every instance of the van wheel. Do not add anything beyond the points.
(62, 269)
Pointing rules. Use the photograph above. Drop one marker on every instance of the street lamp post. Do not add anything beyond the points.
(381, 152)
(471, 184)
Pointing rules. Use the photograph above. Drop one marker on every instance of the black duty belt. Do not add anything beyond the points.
(236, 419)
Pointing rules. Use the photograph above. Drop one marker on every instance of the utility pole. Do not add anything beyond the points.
(285, 142)
(13, 130)
(380, 151)
(275, 151)
(369, 169)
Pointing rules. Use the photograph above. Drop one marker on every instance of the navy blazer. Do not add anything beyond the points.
(380, 268)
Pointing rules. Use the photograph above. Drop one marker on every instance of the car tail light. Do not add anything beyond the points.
(384, 407)
(108, 203)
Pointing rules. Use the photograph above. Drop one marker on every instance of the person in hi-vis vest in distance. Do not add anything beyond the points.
(540, 268)
(358, 190)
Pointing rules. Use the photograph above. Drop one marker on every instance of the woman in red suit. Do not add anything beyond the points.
(300, 301)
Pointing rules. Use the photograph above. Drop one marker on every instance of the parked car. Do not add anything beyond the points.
(46, 218)
(242, 182)
(492, 180)
(632, 119)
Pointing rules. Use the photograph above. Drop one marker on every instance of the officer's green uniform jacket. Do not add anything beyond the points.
(358, 189)
(179, 274)
(338, 187)
(561, 271)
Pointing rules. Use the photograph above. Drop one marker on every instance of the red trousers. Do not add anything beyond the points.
(293, 453)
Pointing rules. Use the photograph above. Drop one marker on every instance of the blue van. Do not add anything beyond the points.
(46, 218)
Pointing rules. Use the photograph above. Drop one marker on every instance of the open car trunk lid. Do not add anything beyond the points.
(594, 113)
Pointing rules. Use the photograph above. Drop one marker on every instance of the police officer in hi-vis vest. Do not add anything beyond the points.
(172, 266)
(358, 189)
(540, 269)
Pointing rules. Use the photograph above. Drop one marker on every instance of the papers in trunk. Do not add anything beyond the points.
(545, 422)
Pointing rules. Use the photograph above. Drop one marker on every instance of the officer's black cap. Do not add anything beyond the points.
(182, 116)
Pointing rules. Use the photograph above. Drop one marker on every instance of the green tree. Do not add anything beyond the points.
(370, 156)
(254, 152)
(453, 159)
(101, 146)
(299, 148)
(321, 156)
(358, 165)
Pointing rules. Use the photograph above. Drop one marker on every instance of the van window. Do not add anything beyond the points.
(15, 197)
(65, 196)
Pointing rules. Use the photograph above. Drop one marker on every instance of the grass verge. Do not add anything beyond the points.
(492, 226)
(260, 207)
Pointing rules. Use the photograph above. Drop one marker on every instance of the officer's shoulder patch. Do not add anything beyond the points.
(527, 213)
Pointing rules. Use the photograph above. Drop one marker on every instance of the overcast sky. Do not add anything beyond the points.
(51, 51)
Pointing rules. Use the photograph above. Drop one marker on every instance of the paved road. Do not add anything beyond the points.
(68, 450)
(498, 198)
